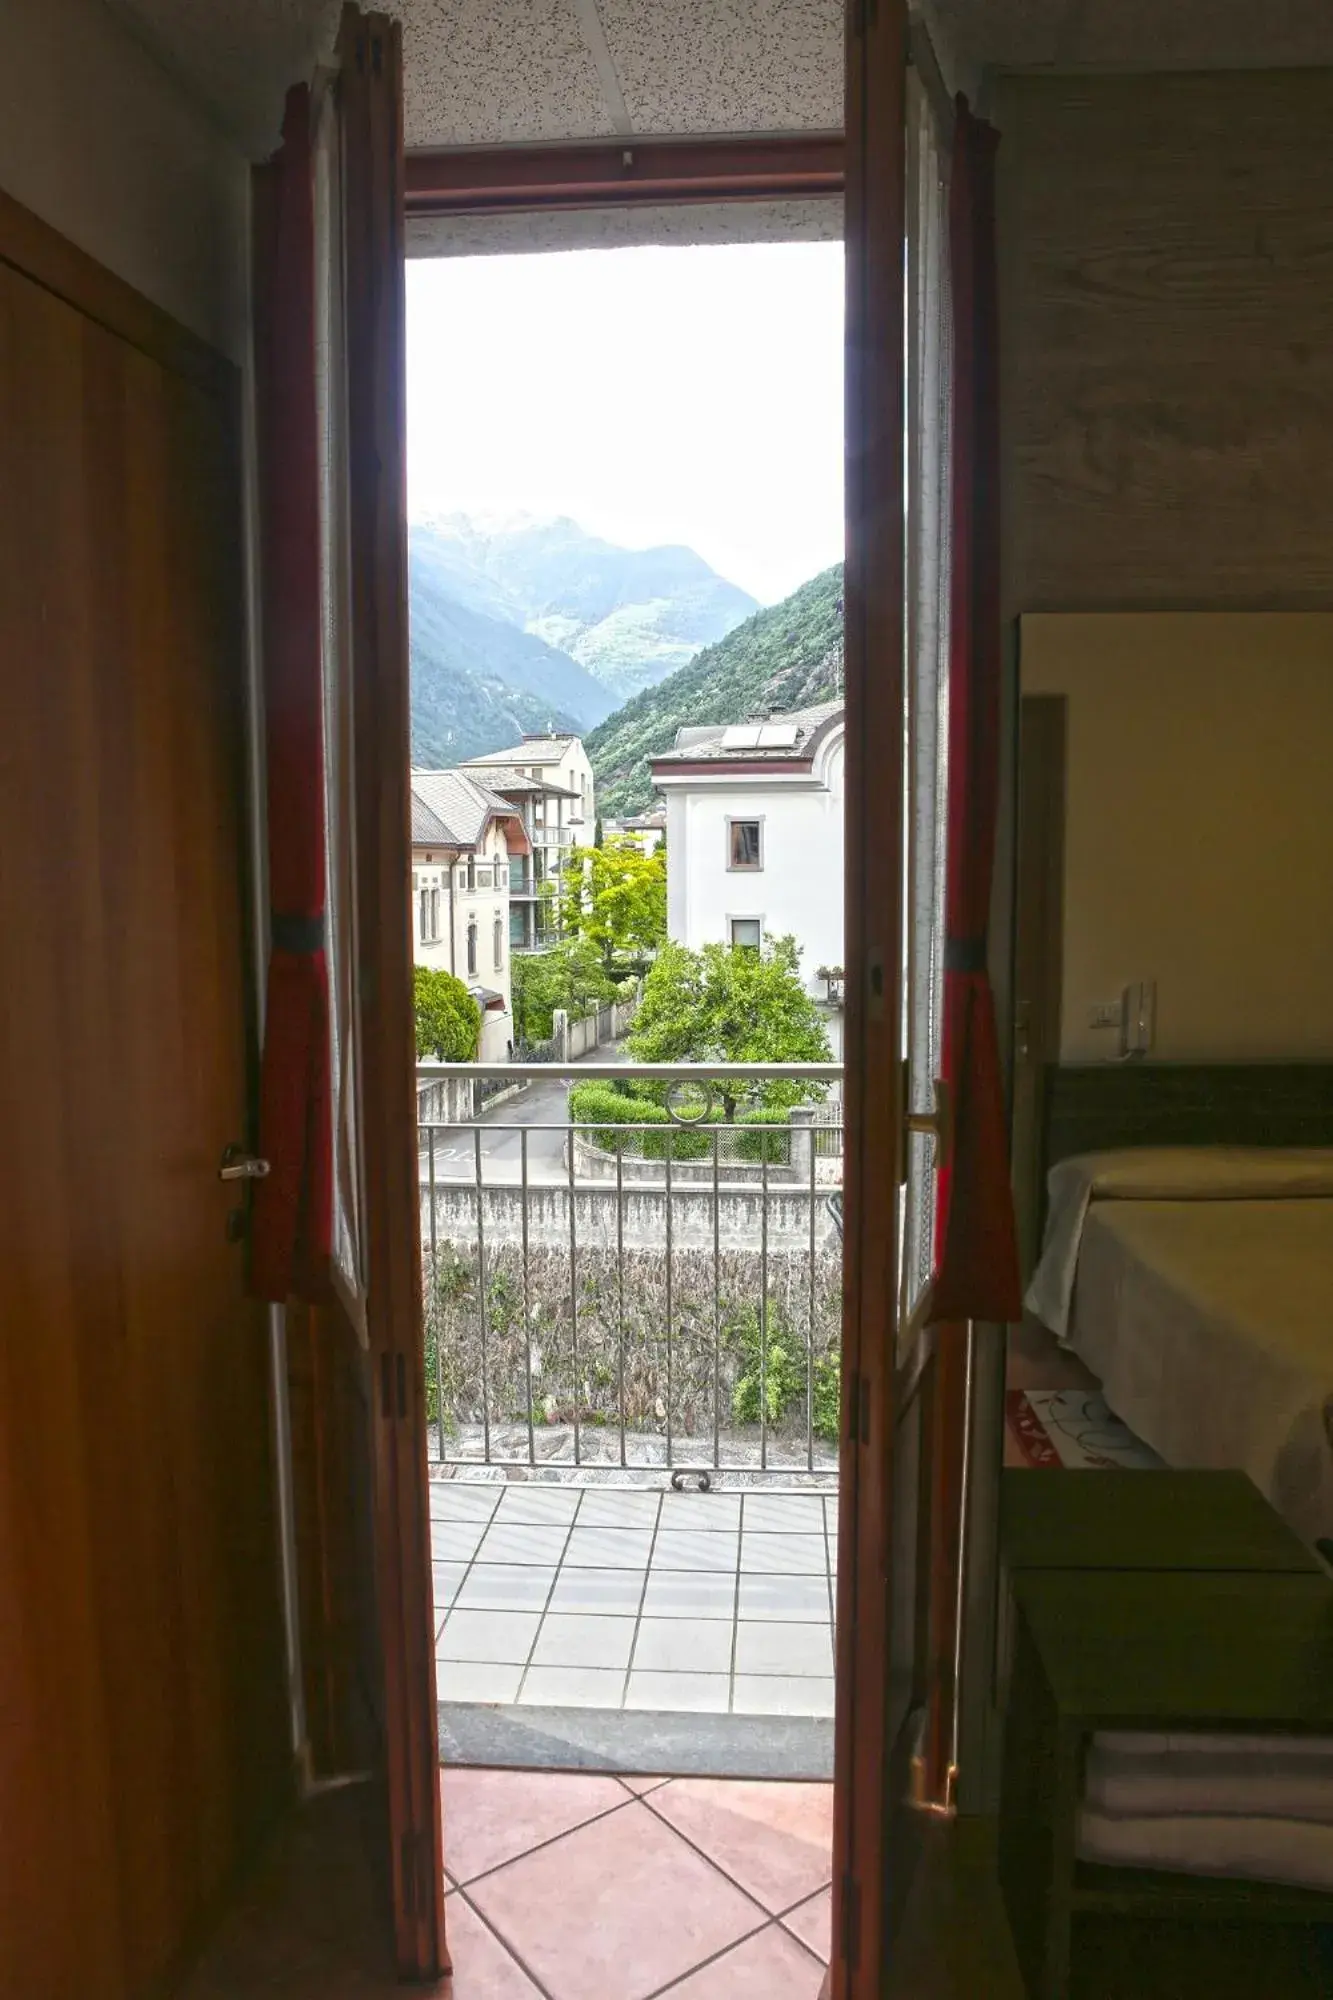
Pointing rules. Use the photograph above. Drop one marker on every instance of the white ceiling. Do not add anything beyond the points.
(486, 72)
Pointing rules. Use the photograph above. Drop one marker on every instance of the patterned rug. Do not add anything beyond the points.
(1075, 1429)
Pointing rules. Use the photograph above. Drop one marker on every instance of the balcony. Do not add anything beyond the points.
(632, 1356)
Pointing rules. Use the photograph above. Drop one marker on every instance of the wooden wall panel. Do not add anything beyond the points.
(1167, 340)
(141, 1656)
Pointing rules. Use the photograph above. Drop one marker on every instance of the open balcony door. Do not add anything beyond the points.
(375, 848)
(900, 1496)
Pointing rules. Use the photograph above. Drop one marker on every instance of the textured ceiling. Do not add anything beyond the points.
(495, 72)
(610, 228)
(487, 72)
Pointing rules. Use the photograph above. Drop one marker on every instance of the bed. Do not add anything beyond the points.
(1188, 1261)
(1196, 1280)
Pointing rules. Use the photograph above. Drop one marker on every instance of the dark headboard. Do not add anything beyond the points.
(1093, 1107)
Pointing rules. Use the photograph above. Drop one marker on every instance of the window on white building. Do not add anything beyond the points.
(434, 913)
(499, 943)
(472, 948)
(747, 933)
(423, 915)
(744, 843)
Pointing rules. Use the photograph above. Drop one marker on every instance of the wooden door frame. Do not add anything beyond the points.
(623, 173)
(1038, 930)
(874, 152)
(39, 252)
(370, 61)
(864, 1889)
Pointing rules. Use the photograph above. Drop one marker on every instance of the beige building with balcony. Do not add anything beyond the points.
(465, 841)
(557, 760)
(545, 809)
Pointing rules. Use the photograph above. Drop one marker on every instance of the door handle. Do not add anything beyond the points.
(936, 1124)
(237, 1165)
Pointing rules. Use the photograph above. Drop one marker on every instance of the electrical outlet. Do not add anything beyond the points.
(1104, 1014)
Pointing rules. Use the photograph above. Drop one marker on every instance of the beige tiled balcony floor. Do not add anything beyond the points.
(626, 1598)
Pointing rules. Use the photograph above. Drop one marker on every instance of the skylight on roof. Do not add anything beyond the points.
(777, 736)
(740, 736)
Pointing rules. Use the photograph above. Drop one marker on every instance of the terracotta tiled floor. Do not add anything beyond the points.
(702, 1889)
(560, 1888)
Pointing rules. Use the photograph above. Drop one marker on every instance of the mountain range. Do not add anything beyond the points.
(787, 657)
(526, 624)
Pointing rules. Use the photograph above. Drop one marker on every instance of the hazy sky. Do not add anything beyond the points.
(655, 395)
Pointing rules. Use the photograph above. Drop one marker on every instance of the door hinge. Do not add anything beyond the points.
(858, 1411)
(851, 1920)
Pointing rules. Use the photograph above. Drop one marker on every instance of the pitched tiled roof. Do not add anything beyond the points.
(458, 803)
(535, 750)
(501, 778)
(428, 829)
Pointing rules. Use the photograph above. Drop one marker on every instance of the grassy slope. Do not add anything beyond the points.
(781, 659)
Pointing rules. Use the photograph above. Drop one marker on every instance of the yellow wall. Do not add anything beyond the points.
(1199, 831)
(102, 144)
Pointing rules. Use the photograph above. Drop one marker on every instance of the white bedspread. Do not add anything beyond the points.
(1159, 1173)
(1210, 1327)
(1197, 1284)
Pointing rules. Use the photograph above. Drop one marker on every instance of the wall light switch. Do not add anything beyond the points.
(1105, 1014)
(1138, 1018)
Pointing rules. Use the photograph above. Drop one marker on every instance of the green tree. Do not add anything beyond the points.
(614, 896)
(570, 975)
(448, 1018)
(729, 1004)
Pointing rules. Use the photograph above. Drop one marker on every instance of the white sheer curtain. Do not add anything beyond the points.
(348, 1271)
(928, 395)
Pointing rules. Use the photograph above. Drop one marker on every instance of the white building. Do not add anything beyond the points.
(558, 760)
(754, 830)
(464, 841)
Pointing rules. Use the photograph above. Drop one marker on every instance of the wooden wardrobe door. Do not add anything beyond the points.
(145, 1736)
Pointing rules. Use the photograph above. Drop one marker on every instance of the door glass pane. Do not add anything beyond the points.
(927, 629)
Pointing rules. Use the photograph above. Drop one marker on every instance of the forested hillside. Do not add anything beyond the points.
(785, 658)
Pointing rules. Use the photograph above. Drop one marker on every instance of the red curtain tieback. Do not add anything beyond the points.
(299, 937)
(965, 955)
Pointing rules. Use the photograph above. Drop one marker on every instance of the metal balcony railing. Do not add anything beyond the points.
(649, 1276)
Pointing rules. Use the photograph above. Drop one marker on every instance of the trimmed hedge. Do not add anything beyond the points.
(602, 1107)
(775, 1147)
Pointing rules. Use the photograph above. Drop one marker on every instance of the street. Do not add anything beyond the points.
(543, 1104)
